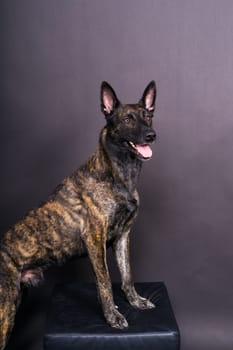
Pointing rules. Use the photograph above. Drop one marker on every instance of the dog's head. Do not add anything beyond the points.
(130, 125)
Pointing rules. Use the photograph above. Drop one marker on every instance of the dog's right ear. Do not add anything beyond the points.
(109, 100)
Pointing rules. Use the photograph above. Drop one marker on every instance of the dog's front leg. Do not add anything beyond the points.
(96, 247)
(121, 249)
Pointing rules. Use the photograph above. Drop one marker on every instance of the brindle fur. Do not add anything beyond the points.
(90, 210)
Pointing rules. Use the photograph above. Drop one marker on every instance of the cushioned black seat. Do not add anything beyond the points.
(76, 320)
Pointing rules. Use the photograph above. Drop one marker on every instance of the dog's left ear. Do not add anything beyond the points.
(149, 96)
(109, 100)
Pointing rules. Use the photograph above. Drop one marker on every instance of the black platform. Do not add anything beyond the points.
(76, 320)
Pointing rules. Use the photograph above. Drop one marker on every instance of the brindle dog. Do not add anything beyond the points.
(90, 210)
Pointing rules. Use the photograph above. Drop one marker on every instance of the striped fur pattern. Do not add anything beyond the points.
(89, 211)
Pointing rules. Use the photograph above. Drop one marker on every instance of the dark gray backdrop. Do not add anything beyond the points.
(54, 54)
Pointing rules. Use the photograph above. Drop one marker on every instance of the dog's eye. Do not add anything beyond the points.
(148, 118)
(127, 119)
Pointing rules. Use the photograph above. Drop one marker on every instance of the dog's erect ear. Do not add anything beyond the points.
(109, 100)
(149, 96)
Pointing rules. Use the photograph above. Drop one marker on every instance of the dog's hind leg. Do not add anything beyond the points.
(9, 300)
(9, 296)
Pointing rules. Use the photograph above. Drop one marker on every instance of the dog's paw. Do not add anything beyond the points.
(142, 303)
(116, 320)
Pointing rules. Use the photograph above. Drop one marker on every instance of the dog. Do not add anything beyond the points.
(90, 210)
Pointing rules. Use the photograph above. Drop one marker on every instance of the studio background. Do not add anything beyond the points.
(54, 55)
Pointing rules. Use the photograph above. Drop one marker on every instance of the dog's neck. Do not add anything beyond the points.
(124, 166)
(109, 162)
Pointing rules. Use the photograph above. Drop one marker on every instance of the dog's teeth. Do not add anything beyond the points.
(132, 144)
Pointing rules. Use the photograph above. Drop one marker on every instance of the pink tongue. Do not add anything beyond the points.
(144, 150)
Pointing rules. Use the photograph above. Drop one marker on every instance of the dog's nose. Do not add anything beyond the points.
(150, 136)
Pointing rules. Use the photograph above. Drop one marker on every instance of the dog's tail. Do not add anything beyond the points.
(9, 300)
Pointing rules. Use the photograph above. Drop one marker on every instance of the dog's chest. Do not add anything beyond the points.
(122, 217)
(123, 210)
(114, 205)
